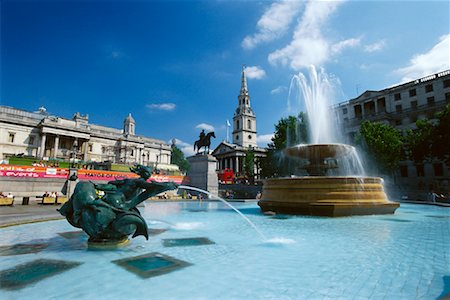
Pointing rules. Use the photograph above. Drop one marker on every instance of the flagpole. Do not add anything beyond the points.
(228, 126)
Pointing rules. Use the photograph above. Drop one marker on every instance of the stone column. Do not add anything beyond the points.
(85, 153)
(56, 146)
(42, 149)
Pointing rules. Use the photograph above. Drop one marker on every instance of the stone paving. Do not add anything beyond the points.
(34, 212)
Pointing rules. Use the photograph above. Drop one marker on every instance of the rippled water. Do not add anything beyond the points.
(401, 256)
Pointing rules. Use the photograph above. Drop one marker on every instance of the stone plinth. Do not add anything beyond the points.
(202, 173)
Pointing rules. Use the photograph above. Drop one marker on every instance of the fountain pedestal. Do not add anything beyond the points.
(326, 196)
(332, 196)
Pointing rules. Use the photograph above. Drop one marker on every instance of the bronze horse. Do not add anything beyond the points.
(204, 142)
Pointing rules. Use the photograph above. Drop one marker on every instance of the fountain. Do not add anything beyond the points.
(110, 219)
(351, 193)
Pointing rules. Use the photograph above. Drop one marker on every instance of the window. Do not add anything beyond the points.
(358, 111)
(438, 169)
(90, 147)
(447, 97)
(237, 137)
(404, 171)
(249, 136)
(381, 103)
(412, 92)
(414, 104)
(398, 108)
(249, 124)
(11, 137)
(237, 124)
(397, 96)
(132, 152)
(430, 100)
(344, 111)
(369, 108)
(429, 88)
(420, 170)
(446, 83)
(31, 140)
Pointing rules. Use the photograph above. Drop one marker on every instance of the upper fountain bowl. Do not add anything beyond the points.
(318, 151)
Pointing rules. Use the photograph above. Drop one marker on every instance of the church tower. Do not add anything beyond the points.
(129, 125)
(244, 119)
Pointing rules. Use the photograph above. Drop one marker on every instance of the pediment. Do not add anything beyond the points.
(223, 148)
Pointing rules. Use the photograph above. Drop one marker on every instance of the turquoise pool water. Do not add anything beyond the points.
(207, 251)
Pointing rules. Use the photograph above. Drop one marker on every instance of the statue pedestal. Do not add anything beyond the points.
(202, 173)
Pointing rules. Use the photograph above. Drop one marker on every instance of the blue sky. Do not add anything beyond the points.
(176, 65)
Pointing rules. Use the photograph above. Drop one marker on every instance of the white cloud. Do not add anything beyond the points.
(273, 23)
(255, 72)
(205, 126)
(162, 106)
(186, 148)
(278, 90)
(377, 46)
(435, 60)
(263, 139)
(309, 46)
(349, 43)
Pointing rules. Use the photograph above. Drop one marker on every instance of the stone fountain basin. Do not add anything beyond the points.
(326, 196)
(318, 151)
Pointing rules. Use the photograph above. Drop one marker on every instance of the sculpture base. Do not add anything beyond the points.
(326, 196)
(105, 244)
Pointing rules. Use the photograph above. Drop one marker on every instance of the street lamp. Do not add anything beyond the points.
(74, 152)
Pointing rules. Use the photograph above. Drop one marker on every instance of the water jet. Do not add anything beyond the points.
(318, 194)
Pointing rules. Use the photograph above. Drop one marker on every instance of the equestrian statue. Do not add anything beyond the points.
(204, 141)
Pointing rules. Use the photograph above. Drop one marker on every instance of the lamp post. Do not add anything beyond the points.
(74, 152)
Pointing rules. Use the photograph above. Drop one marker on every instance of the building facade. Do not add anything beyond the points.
(401, 106)
(47, 137)
(232, 155)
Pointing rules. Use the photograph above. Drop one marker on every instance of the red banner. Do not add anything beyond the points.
(94, 175)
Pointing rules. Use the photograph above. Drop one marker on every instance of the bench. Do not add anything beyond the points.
(48, 200)
(6, 201)
(61, 200)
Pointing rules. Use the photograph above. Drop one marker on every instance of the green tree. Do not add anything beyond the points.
(249, 165)
(419, 141)
(430, 139)
(288, 132)
(383, 143)
(178, 159)
(440, 146)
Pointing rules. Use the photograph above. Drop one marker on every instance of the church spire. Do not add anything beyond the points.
(244, 90)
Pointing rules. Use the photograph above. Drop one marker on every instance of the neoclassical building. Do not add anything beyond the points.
(47, 137)
(401, 106)
(232, 155)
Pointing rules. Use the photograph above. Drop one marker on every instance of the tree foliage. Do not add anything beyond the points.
(178, 159)
(431, 138)
(383, 143)
(288, 132)
(249, 165)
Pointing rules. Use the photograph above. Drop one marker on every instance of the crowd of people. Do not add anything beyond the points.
(51, 195)
(8, 195)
